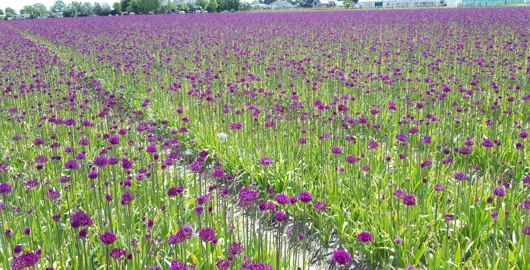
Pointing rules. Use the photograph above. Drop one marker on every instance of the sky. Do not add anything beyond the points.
(19, 4)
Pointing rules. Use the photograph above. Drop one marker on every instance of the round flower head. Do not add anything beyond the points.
(282, 198)
(25, 261)
(265, 161)
(526, 230)
(235, 249)
(107, 238)
(305, 197)
(223, 264)
(409, 200)
(336, 150)
(499, 192)
(80, 218)
(280, 216)
(5, 188)
(461, 176)
(365, 237)
(207, 235)
(341, 257)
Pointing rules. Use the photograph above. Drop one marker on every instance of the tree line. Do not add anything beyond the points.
(83, 9)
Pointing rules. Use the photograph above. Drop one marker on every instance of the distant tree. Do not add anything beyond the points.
(97, 8)
(116, 8)
(39, 10)
(1, 12)
(67, 12)
(232, 5)
(105, 9)
(244, 6)
(166, 7)
(183, 7)
(145, 6)
(201, 3)
(212, 6)
(124, 5)
(221, 4)
(27, 10)
(86, 9)
(11, 12)
(58, 6)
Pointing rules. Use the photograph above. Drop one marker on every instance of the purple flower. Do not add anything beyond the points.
(126, 198)
(523, 135)
(207, 235)
(223, 264)
(373, 145)
(409, 200)
(282, 199)
(5, 188)
(80, 218)
(26, 260)
(116, 253)
(247, 196)
(526, 230)
(341, 257)
(280, 216)
(438, 187)
(305, 197)
(236, 249)
(336, 150)
(114, 140)
(320, 206)
(461, 176)
(499, 192)
(17, 249)
(108, 238)
(487, 143)
(365, 237)
(265, 161)
(71, 165)
(175, 191)
(402, 138)
(398, 240)
(151, 148)
(399, 193)
(218, 173)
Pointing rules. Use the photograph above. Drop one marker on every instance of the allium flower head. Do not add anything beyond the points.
(265, 161)
(107, 238)
(25, 261)
(305, 197)
(341, 257)
(5, 188)
(207, 235)
(409, 200)
(80, 218)
(365, 237)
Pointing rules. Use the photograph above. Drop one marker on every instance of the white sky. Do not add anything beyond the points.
(19, 4)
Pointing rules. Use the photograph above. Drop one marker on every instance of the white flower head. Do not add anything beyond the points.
(222, 136)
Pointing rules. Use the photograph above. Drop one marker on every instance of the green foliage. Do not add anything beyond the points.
(144, 6)
(124, 5)
(10, 12)
(116, 7)
(166, 7)
(244, 6)
(212, 6)
(102, 9)
(58, 6)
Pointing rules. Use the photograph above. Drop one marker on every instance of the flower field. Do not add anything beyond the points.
(388, 139)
